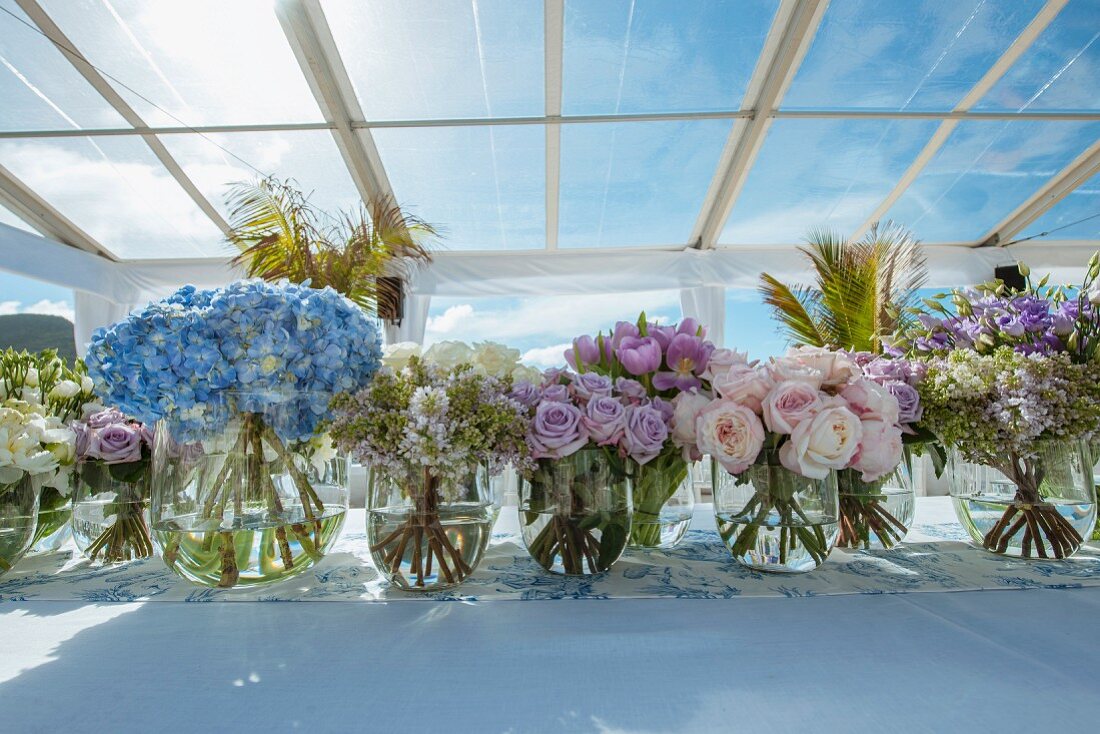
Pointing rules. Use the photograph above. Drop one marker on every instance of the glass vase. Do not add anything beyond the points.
(575, 512)
(773, 519)
(18, 520)
(54, 514)
(243, 499)
(111, 511)
(1036, 505)
(427, 533)
(664, 500)
(875, 514)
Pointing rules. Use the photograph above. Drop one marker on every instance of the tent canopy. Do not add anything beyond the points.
(564, 146)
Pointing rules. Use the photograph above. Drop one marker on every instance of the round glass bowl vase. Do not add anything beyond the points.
(875, 514)
(575, 512)
(1036, 506)
(18, 520)
(111, 511)
(54, 515)
(242, 500)
(773, 519)
(427, 533)
(664, 499)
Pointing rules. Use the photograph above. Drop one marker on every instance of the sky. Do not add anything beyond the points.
(621, 184)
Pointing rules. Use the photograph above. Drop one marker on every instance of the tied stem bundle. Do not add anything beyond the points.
(1044, 531)
(422, 541)
(245, 481)
(863, 512)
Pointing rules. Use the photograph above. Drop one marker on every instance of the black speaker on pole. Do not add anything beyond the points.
(1011, 276)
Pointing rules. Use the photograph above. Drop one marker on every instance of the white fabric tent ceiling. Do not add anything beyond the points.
(565, 146)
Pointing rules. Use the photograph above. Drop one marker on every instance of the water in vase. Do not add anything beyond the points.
(771, 544)
(423, 557)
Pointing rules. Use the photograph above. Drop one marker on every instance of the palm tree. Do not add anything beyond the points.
(862, 291)
(365, 254)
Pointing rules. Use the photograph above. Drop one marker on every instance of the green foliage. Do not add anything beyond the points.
(861, 293)
(282, 235)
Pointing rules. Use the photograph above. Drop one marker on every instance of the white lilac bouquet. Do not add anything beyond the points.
(811, 412)
(650, 366)
(998, 410)
(427, 429)
(43, 385)
(113, 454)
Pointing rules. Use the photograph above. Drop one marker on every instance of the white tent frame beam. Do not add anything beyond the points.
(308, 32)
(553, 51)
(69, 50)
(39, 214)
(549, 120)
(792, 30)
(1016, 49)
(1059, 187)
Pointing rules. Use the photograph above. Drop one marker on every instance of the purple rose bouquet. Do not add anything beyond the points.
(112, 487)
(656, 367)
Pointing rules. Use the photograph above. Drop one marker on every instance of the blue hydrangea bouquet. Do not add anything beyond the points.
(238, 381)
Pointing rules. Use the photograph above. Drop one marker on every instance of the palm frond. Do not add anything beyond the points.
(792, 309)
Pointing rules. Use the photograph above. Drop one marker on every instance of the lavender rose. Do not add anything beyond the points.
(631, 390)
(555, 394)
(525, 394)
(646, 431)
(119, 444)
(909, 408)
(556, 431)
(605, 419)
(590, 385)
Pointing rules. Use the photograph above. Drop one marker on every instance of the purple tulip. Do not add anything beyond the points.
(646, 432)
(691, 327)
(623, 329)
(590, 385)
(586, 349)
(640, 355)
(687, 358)
(663, 334)
(605, 419)
(556, 431)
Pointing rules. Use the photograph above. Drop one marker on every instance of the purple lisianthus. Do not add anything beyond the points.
(687, 359)
(555, 394)
(909, 408)
(556, 431)
(605, 419)
(646, 432)
(525, 394)
(629, 389)
(640, 355)
(590, 385)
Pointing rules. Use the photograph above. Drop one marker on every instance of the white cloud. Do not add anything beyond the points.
(543, 357)
(450, 320)
(50, 308)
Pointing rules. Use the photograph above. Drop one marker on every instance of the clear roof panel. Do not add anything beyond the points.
(984, 171)
(1061, 69)
(204, 61)
(431, 59)
(40, 89)
(8, 217)
(484, 186)
(619, 56)
(1076, 217)
(309, 157)
(792, 188)
(629, 184)
(919, 55)
(118, 192)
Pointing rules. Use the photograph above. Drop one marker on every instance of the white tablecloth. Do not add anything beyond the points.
(1020, 660)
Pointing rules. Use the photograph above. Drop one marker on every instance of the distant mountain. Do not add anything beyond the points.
(35, 332)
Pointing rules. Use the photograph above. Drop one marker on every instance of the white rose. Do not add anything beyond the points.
(65, 389)
(836, 368)
(495, 359)
(731, 433)
(396, 356)
(523, 373)
(720, 362)
(449, 354)
(686, 409)
(829, 441)
(788, 369)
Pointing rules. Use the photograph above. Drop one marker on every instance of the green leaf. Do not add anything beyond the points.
(612, 542)
(131, 472)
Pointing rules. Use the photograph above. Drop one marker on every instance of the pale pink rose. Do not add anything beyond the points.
(686, 408)
(879, 450)
(788, 404)
(720, 362)
(788, 369)
(731, 433)
(871, 401)
(828, 441)
(836, 367)
(744, 384)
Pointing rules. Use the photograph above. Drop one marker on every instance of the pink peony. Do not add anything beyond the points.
(879, 451)
(871, 401)
(744, 384)
(686, 409)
